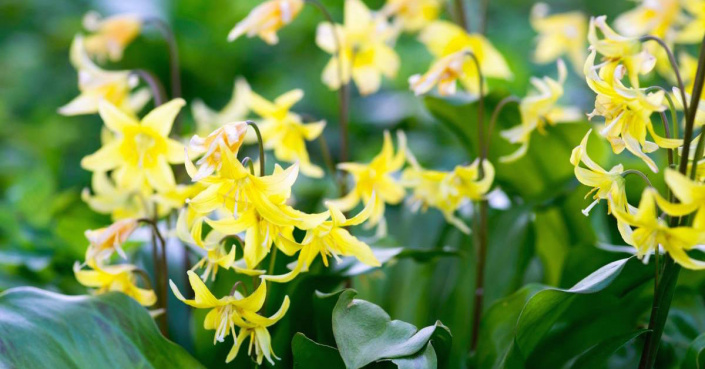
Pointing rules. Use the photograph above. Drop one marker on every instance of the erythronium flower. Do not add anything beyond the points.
(376, 178)
(607, 185)
(654, 17)
(443, 38)
(538, 109)
(110, 35)
(230, 135)
(694, 27)
(141, 150)
(104, 241)
(445, 72)
(559, 34)
(627, 112)
(96, 84)
(120, 203)
(617, 49)
(107, 278)
(413, 14)
(208, 120)
(284, 131)
(235, 311)
(447, 191)
(366, 53)
(266, 19)
(330, 238)
(689, 192)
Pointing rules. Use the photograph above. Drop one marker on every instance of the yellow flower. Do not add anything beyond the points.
(686, 190)
(111, 35)
(447, 191)
(559, 34)
(119, 278)
(653, 231)
(231, 136)
(627, 112)
(376, 178)
(654, 17)
(104, 241)
(330, 238)
(538, 109)
(617, 49)
(443, 38)
(607, 185)
(444, 73)
(230, 311)
(96, 84)
(119, 202)
(413, 14)
(266, 19)
(141, 151)
(694, 27)
(284, 131)
(366, 55)
(208, 120)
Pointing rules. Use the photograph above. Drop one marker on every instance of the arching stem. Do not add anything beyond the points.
(261, 146)
(493, 120)
(154, 85)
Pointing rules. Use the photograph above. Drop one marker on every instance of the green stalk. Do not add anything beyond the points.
(261, 146)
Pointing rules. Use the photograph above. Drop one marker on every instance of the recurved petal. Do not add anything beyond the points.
(162, 117)
(115, 119)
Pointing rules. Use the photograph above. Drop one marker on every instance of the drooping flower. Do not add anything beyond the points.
(617, 49)
(654, 17)
(330, 239)
(266, 19)
(284, 132)
(558, 35)
(120, 203)
(208, 120)
(376, 178)
(363, 42)
(235, 311)
(447, 191)
(443, 38)
(694, 27)
(537, 110)
(445, 72)
(105, 241)
(230, 135)
(627, 112)
(141, 151)
(107, 278)
(606, 185)
(111, 35)
(96, 84)
(412, 14)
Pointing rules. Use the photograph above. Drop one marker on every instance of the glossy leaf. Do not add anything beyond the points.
(599, 355)
(309, 354)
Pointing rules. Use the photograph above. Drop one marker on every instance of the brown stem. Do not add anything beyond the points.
(160, 269)
(461, 15)
(174, 70)
(261, 146)
(674, 66)
(493, 119)
(154, 85)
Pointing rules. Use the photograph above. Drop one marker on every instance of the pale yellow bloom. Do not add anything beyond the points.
(284, 131)
(105, 241)
(558, 35)
(235, 311)
(617, 49)
(651, 17)
(330, 238)
(110, 36)
(119, 202)
(538, 109)
(443, 38)
(141, 151)
(627, 112)
(208, 120)
(121, 278)
(413, 14)
(444, 73)
(365, 40)
(694, 27)
(266, 19)
(231, 136)
(376, 178)
(96, 84)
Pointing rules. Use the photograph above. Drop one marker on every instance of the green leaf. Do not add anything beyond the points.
(350, 266)
(695, 356)
(364, 333)
(599, 355)
(425, 359)
(309, 354)
(41, 329)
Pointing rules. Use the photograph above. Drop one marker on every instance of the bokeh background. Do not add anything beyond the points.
(539, 238)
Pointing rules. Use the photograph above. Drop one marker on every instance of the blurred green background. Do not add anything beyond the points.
(540, 238)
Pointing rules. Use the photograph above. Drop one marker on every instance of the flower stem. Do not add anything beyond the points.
(154, 85)
(493, 119)
(461, 15)
(160, 269)
(261, 146)
(174, 71)
(674, 65)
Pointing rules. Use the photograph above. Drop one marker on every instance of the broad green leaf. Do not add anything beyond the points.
(695, 356)
(309, 354)
(364, 333)
(425, 359)
(599, 355)
(41, 329)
